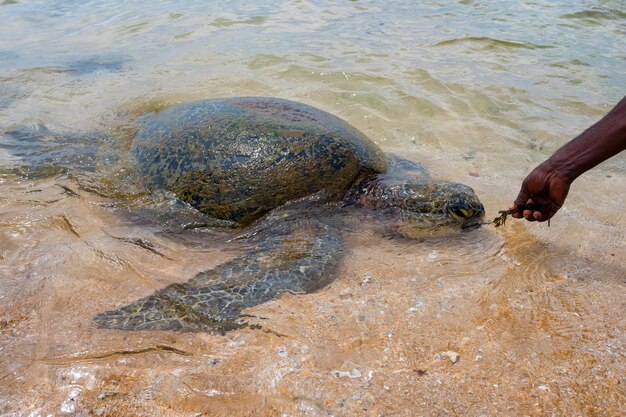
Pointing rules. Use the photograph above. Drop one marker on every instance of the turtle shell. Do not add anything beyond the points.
(237, 158)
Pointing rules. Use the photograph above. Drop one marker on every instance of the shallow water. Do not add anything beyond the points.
(479, 92)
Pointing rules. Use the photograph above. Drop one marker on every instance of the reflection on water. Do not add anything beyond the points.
(521, 320)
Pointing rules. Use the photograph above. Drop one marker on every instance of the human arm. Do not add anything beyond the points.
(544, 190)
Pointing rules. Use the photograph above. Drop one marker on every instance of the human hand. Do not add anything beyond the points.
(542, 194)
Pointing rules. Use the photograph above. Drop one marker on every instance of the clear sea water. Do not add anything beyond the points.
(479, 92)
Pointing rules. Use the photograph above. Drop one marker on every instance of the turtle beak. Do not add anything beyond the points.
(471, 226)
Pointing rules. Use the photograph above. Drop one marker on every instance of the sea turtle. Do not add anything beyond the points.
(241, 159)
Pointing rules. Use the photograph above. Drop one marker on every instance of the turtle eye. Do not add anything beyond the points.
(460, 212)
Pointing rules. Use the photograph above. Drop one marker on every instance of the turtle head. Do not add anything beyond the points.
(424, 204)
(439, 203)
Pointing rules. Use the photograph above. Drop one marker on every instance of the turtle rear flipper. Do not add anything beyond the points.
(298, 258)
(35, 151)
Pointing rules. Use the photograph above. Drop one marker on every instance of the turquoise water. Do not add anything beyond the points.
(551, 54)
(480, 92)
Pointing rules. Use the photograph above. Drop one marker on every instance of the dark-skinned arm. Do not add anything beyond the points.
(544, 190)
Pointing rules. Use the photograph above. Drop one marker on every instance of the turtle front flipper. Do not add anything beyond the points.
(402, 169)
(299, 257)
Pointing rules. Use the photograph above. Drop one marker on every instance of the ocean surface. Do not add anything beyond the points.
(525, 319)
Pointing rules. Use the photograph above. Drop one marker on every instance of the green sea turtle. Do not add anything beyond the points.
(277, 168)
